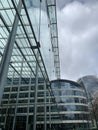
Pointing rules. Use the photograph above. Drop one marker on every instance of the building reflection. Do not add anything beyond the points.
(72, 103)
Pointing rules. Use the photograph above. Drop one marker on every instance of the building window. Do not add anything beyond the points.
(21, 118)
(41, 87)
(12, 101)
(31, 109)
(2, 119)
(13, 95)
(32, 87)
(24, 88)
(14, 88)
(31, 100)
(5, 96)
(4, 102)
(6, 89)
(22, 101)
(22, 110)
(23, 95)
(40, 100)
(32, 94)
(40, 109)
(40, 94)
(2, 110)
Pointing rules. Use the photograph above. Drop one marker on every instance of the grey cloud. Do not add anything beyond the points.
(62, 3)
(78, 39)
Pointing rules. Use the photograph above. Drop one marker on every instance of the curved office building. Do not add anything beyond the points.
(90, 83)
(72, 104)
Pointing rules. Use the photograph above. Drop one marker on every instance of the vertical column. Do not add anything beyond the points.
(49, 111)
(36, 96)
(8, 51)
(9, 100)
(14, 119)
(45, 112)
(27, 127)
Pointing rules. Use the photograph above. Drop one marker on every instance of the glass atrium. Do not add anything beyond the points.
(29, 57)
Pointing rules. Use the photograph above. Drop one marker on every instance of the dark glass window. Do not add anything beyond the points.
(30, 119)
(32, 94)
(22, 110)
(3, 110)
(21, 118)
(2, 118)
(6, 89)
(16, 81)
(40, 109)
(40, 100)
(40, 93)
(13, 95)
(22, 101)
(32, 87)
(31, 109)
(11, 110)
(25, 80)
(4, 102)
(24, 88)
(82, 101)
(23, 95)
(31, 100)
(41, 87)
(54, 108)
(12, 101)
(40, 118)
(55, 116)
(5, 96)
(14, 88)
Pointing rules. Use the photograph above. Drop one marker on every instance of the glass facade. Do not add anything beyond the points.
(18, 105)
(90, 84)
(67, 110)
(72, 104)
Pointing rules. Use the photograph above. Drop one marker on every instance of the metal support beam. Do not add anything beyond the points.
(8, 52)
(36, 96)
(45, 112)
(6, 114)
(14, 67)
(27, 120)
(49, 112)
(16, 105)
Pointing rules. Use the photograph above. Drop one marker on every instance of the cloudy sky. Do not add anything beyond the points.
(78, 37)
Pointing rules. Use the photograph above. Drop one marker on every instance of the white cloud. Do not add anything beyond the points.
(78, 39)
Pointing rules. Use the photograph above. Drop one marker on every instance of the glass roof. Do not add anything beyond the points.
(36, 38)
(27, 43)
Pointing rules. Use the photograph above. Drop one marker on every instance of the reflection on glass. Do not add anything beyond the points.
(71, 99)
